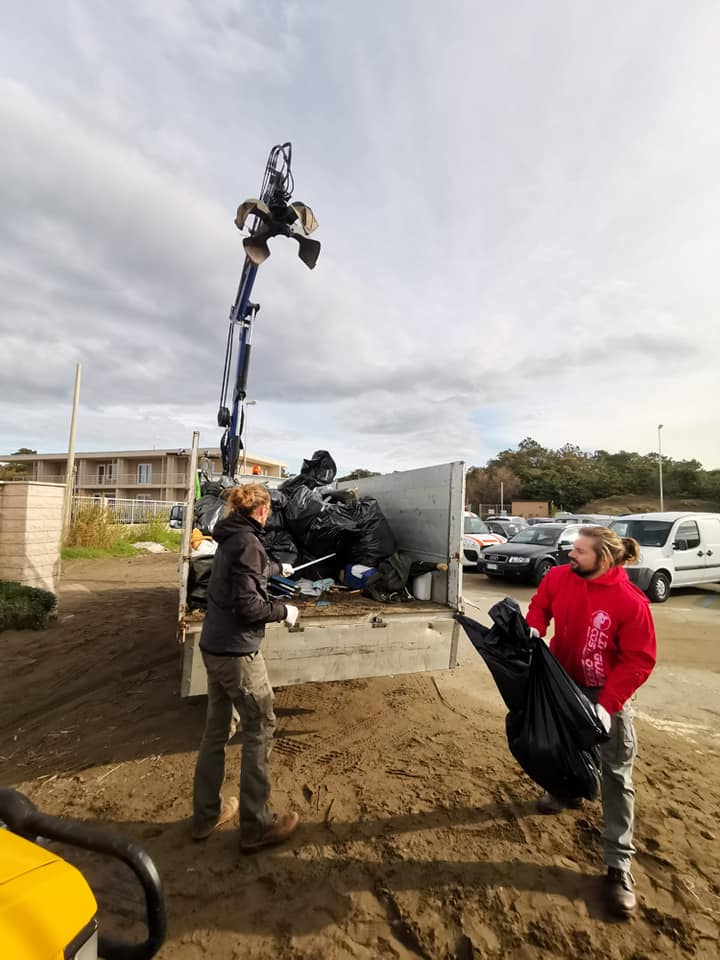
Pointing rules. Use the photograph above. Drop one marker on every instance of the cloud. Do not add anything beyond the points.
(518, 216)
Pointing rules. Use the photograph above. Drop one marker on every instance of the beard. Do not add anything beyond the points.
(585, 574)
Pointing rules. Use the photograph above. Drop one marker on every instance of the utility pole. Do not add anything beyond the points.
(662, 503)
(502, 497)
(70, 470)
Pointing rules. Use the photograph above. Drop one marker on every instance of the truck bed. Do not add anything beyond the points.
(348, 636)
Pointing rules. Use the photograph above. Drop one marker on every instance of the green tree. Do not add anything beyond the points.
(359, 474)
(16, 471)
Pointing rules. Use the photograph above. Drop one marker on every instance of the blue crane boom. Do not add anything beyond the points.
(270, 215)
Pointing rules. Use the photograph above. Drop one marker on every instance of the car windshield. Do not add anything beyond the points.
(648, 533)
(475, 525)
(541, 533)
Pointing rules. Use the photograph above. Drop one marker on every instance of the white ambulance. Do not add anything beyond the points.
(476, 535)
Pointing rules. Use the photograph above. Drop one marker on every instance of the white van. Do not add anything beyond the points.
(676, 550)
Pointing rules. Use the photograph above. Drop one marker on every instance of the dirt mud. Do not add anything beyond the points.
(419, 835)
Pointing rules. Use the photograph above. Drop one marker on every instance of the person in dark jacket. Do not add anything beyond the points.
(238, 685)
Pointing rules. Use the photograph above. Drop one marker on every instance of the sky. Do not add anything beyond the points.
(519, 208)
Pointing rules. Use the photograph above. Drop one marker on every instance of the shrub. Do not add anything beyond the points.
(91, 527)
(24, 608)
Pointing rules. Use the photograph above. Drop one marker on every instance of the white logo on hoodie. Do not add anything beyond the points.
(596, 641)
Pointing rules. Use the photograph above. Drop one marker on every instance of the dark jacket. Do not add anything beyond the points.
(238, 603)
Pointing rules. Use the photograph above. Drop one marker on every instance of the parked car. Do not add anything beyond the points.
(589, 519)
(532, 521)
(676, 550)
(532, 552)
(506, 526)
(476, 535)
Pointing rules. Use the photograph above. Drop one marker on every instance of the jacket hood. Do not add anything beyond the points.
(234, 523)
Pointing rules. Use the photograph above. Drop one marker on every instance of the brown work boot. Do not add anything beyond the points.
(278, 830)
(621, 899)
(549, 804)
(228, 811)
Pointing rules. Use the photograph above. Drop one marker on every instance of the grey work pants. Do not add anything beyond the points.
(617, 790)
(238, 690)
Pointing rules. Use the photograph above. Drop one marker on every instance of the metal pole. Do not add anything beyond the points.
(186, 534)
(70, 468)
(502, 497)
(248, 403)
(662, 502)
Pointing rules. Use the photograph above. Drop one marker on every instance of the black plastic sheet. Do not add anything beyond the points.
(302, 507)
(208, 510)
(316, 472)
(552, 727)
(281, 547)
(198, 582)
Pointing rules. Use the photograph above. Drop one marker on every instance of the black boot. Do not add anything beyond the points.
(548, 804)
(621, 899)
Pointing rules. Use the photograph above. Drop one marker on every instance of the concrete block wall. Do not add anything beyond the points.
(30, 533)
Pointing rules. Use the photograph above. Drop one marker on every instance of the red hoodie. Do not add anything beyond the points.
(604, 633)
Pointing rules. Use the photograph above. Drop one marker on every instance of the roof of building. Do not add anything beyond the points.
(213, 452)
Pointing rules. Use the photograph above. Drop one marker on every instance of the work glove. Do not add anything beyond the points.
(604, 717)
(534, 634)
(291, 614)
(287, 569)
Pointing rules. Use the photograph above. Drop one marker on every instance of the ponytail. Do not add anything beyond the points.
(610, 549)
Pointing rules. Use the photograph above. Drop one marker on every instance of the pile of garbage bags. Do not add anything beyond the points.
(552, 728)
(309, 520)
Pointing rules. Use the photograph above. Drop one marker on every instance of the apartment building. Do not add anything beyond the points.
(135, 474)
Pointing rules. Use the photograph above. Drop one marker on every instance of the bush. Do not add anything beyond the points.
(91, 527)
(24, 608)
(156, 531)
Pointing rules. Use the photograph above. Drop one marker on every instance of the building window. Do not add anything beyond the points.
(144, 497)
(107, 473)
(144, 473)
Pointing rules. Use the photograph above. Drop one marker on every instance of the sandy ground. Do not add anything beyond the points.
(419, 835)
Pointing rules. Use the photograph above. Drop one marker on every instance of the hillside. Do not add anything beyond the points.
(644, 503)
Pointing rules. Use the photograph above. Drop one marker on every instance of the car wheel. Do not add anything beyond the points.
(542, 568)
(659, 588)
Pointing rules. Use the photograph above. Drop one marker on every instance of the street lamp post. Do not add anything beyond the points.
(248, 403)
(660, 482)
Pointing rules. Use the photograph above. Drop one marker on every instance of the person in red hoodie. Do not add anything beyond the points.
(605, 638)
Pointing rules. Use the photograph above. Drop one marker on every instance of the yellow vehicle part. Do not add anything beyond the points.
(45, 903)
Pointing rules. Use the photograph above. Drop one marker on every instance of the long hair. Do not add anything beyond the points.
(610, 549)
(247, 498)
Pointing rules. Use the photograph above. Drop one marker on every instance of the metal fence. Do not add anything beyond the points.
(121, 510)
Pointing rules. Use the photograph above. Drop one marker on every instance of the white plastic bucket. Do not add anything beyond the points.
(422, 586)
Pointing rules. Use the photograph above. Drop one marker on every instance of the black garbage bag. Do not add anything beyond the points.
(208, 510)
(330, 532)
(315, 472)
(552, 728)
(373, 539)
(302, 507)
(281, 547)
(389, 583)
(276, 520)
(198, 582)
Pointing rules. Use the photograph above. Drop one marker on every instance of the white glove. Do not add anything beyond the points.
(534, 634)
(604, 717)
(291, 614)
(287, 569)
